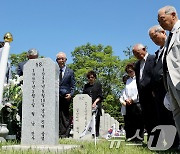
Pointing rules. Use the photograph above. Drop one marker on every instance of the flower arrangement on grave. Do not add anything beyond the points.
(11, 105)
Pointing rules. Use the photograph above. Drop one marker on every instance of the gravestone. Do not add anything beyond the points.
(102, 123)
(107, 121)
(82, 113)
(117, 125)
(40, 108)
(112, 121)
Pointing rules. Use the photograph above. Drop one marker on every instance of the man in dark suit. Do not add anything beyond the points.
(31, 54)
(165, 117)
(66, 91)
(158, 36)
(143, 71)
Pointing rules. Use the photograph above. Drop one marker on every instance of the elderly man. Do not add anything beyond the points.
(168, 19)
(165, 117)
(143, 71)
(66, 91)
(31, 54)
(158, 36)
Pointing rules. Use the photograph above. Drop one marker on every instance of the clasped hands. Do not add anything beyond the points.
(129, 101)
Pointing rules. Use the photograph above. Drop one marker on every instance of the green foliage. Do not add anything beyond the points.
(12, 100)
(17, 58)
(108, 68)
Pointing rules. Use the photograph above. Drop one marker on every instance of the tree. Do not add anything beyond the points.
(16, 59)
(108, 68)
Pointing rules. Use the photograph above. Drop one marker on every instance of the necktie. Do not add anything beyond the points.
(156, 57)
(165, 69)
(60, 76)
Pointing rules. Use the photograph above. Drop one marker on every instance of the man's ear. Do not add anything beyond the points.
(173, 14)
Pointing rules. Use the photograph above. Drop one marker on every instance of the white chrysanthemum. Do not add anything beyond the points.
(18, 79)
(17, 117)
(8, 104)
(12, 82)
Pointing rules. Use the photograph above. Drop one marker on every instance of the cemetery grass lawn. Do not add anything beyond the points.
(103, 147)
(88, 147)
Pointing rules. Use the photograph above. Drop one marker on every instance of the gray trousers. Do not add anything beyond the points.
(175, 102)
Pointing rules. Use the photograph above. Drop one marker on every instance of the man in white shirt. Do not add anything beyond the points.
(168, 19)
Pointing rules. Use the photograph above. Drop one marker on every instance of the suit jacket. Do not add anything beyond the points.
(157, 76)
(67, 85)
(173, 56)
(144, 85)
(20, 68)
(145, 93)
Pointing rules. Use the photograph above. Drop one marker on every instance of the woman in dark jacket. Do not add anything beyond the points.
(94, 89)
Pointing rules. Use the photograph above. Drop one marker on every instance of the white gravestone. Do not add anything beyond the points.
(102, 123)
(40, 108)
(112, 121)
(117, 125)
(82, 113)
(107, 121)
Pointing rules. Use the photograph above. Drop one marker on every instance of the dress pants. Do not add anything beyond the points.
(175, 100)
(64, 117)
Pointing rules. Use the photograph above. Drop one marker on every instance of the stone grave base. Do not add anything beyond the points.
(41, 148)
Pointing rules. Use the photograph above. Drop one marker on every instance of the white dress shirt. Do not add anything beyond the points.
(142, 64)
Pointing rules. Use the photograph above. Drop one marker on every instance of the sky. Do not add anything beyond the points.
(52, 26)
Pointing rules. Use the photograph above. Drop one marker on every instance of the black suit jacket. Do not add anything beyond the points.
(144, 85)
(157, 78)
(67, 85)
(145, 93)
(20, 68)
(164, 116)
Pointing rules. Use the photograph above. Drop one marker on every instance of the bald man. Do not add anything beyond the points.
(66, 92)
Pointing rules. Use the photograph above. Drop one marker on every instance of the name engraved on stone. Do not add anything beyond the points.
(40, 102)
(82, 112)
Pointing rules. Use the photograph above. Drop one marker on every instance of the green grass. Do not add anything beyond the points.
(88, 147)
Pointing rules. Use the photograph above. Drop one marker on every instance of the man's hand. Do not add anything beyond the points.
(68, 97)
(94, 105)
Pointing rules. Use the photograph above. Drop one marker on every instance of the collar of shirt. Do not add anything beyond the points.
(160, 51)
(176, 26)
(145, 57)
(64, 68)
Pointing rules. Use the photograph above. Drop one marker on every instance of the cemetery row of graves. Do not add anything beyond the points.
(40, 107)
